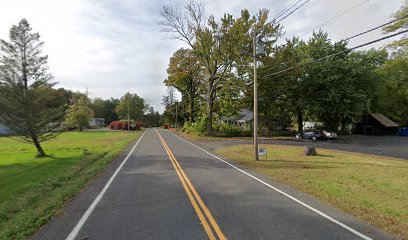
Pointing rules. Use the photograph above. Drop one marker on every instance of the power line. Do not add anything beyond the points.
(294, 10)
(338, 53)
(375, 28)
(285, 10)
(362, 33)
(337, 16)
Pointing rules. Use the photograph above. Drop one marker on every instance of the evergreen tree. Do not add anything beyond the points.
(27, 99)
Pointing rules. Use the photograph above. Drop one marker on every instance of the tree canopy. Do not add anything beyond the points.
(223, 48)
(131, 106)
(79, 113)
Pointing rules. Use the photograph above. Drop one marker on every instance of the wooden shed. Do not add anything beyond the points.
(376, 124)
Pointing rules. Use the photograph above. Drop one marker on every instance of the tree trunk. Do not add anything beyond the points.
(209, 116)
(40, 151)
(310, 151)
(192, 111)
(210, 104)
(192, 93)
(300, 121)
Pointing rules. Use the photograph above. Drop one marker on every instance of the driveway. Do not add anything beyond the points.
(392, 146)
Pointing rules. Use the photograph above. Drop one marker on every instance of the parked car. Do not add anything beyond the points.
(330, 135)
(317, 135)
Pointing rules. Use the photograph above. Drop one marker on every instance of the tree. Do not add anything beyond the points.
(79, 112)
(98, 106)
(131, 106)
(401, 24)
(287, 92)
(392, 93)
(184, 74)
(335, 91)
(110, 107)
(168, 101)
(170, 98)
(27, 101)
(158, 119)
(221, 46)
(343, 84)
(151, 118)
(391, 97)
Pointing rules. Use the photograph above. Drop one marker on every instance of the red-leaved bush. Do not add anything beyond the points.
(123, 125)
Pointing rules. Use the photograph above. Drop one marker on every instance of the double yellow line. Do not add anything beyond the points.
(202, 211)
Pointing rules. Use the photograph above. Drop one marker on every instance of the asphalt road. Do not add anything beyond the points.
(164, 187)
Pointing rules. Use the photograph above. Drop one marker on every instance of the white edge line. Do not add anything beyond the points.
(90, 209)
(283, 193)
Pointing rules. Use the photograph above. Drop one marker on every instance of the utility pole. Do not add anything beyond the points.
(259, 50)
(128, 115)
(176, 113)
(255, 105)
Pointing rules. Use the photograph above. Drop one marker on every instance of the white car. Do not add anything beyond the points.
(330, 135)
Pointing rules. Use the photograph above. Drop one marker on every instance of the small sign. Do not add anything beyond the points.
(262, 151)
(133, 125)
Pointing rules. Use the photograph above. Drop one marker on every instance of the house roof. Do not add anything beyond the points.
(384, 120)
(244, 115)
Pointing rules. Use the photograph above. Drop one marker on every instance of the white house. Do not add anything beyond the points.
(97, 122)
(244, 118)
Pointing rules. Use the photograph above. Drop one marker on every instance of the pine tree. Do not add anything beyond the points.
(27, 103)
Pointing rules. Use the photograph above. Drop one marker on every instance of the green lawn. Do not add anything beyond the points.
(33, 189)
(372, 188)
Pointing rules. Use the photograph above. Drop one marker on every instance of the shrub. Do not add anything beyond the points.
(229, 130)
(221, 129)
(197, 127)
(118, 125)
(123, 125)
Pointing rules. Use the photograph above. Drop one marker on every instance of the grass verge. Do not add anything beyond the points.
(33, 189)
(373, 188)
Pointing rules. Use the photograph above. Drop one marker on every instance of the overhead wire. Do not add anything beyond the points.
(367, 31)
(337, 16)
(335, 54)
(295, 2)
(375, 28)
(294, 10)
(285, 10)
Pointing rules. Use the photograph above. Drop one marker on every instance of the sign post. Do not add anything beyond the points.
(133, 127)
(262, 152)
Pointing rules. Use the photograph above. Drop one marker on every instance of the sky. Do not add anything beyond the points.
(111, 47)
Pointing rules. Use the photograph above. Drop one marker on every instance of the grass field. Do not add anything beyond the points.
(33, 189)
(372, 188)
